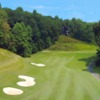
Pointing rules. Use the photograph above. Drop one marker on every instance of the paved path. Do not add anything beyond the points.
(90, 69)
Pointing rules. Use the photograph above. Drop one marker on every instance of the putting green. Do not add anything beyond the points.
(63, 78)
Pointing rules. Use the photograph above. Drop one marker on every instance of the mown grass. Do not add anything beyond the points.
(65, 43)
(63, 77)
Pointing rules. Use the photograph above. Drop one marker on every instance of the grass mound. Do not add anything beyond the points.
(65, 43)
(8, 58)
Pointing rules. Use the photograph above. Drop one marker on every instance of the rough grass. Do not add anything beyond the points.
(65, 43)
(64, 78)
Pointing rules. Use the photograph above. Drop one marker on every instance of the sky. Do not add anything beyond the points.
(87, 10)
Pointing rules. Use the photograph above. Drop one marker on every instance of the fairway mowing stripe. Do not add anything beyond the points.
(94, 80)
(62, 85)
(78, 87)
(70, 92)
(55, 82)
(70, 59)
(90, 87)
(48, 86)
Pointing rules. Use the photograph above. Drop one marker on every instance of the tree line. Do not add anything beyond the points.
(96, 29)
(26, 32)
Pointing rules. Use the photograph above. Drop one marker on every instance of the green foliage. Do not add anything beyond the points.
(3, 15)
(22, 36)
(65, 43)
(97, 60)
(96, 29)
(4, 30)
(80, 30)
(25, 33)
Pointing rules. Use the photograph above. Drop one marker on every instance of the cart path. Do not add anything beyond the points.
(90, 69)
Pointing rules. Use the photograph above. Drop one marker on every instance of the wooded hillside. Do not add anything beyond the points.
(26, 32)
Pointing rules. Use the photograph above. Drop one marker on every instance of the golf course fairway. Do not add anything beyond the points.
(64, 76)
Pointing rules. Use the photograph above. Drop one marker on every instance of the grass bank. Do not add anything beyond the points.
(66, 43)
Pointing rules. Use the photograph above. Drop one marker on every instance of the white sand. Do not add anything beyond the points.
(34, 64)
(12, 91)
(26, 83)
(26, 77)
(29, 81)
(39, 65)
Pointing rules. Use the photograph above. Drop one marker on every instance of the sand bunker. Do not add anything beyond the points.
(34, 64)
(26, 77)
(39, 65)
(26, 83)
(12, 91)
(29, 81)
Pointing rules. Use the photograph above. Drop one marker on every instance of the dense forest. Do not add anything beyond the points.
(96, 29)
(24, 32)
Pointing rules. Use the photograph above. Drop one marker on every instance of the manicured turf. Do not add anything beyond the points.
(63, 78)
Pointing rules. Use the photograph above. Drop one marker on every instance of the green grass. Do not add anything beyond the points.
(64, 78)
(66, 43)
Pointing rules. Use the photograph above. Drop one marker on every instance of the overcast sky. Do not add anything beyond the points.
(87, 10)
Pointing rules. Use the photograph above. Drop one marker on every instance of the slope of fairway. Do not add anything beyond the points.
(63, 78)
(11, 65)
(66, 43)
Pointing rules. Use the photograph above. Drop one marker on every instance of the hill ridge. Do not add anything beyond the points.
(66, 43)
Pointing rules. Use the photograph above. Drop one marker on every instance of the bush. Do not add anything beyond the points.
(97, 62)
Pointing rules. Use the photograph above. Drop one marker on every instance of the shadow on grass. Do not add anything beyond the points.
(88, 60)
(90, 63)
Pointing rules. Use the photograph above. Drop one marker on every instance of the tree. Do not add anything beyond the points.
(80, 30)
(4, 29)
(46, 38)
(96, 29)
(22, 39)
(0, 6)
